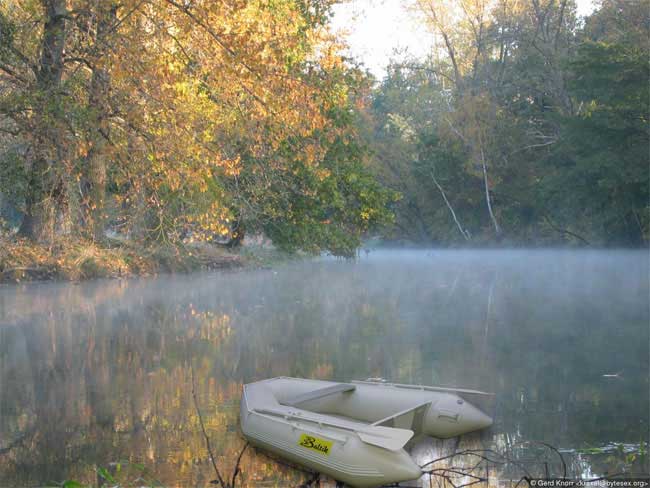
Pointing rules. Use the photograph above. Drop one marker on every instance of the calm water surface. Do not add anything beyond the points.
(99, 372)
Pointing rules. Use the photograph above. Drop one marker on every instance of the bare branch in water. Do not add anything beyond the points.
(236, 469)
(564, 470)
(453, 474)
(205, 434)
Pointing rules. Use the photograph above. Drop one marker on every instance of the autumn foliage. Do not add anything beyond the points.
(176, 120)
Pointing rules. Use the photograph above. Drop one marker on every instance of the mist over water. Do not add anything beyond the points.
(97, 372)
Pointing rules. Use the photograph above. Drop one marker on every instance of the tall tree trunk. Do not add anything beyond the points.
(38, 222)
(237, 235)
(95, 170)
(43, 192)
(486, 184)
(463, 232)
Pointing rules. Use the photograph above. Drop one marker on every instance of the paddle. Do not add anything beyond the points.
(387, 437)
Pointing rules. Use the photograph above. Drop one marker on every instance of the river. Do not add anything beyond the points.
(99, 372)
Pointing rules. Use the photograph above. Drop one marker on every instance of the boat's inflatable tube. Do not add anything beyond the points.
(354, 432)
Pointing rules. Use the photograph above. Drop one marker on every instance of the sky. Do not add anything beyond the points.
(376, 28)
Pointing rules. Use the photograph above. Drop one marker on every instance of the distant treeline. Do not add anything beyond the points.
(526, 125)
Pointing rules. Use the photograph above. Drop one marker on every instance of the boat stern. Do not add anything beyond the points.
(400, 467)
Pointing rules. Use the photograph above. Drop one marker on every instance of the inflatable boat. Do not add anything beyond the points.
(353, 432)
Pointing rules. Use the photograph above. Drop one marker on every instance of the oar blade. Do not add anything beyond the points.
(386, 437)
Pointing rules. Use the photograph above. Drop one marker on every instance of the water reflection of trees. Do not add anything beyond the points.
(100, 372)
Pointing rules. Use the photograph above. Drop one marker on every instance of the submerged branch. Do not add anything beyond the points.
(205, 434)
(485, 457)
(236, 470)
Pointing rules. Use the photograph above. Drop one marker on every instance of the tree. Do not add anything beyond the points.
(550, 117)
(144, 115)
(324, 206)
(468, 52)
(609, 136)
(405, 123)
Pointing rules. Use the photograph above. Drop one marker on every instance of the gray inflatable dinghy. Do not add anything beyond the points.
(354, 432)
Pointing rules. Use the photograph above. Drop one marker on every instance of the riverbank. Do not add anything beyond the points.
(76, 259)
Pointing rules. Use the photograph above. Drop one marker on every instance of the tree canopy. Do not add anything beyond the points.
(166, 119)
(177, 120)
(525, 125)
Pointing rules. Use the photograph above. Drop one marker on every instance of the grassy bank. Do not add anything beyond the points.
(75, 259)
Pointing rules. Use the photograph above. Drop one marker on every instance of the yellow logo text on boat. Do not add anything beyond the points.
(321, 446)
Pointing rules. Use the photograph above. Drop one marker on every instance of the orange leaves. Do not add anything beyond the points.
(313, 153)
(232, 167)
(211, 223)
(200, 88)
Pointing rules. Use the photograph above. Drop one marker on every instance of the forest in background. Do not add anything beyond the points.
(526, 126)
(171, 121)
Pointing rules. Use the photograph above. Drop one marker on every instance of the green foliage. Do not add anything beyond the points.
(103, 472)
(604, 155)
(410, 152)
(558, 112)
(71, 484)
(13, 178)
(118, 479)
(327, 207)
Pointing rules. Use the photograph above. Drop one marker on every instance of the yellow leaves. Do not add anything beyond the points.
(204, 90)
(174, 66)
(323, 174)
(82, 149)
(313, 154)
(232, 167)
(182, 88)
(211, 222)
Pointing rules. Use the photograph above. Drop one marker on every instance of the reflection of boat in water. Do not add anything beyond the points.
(354, 432)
